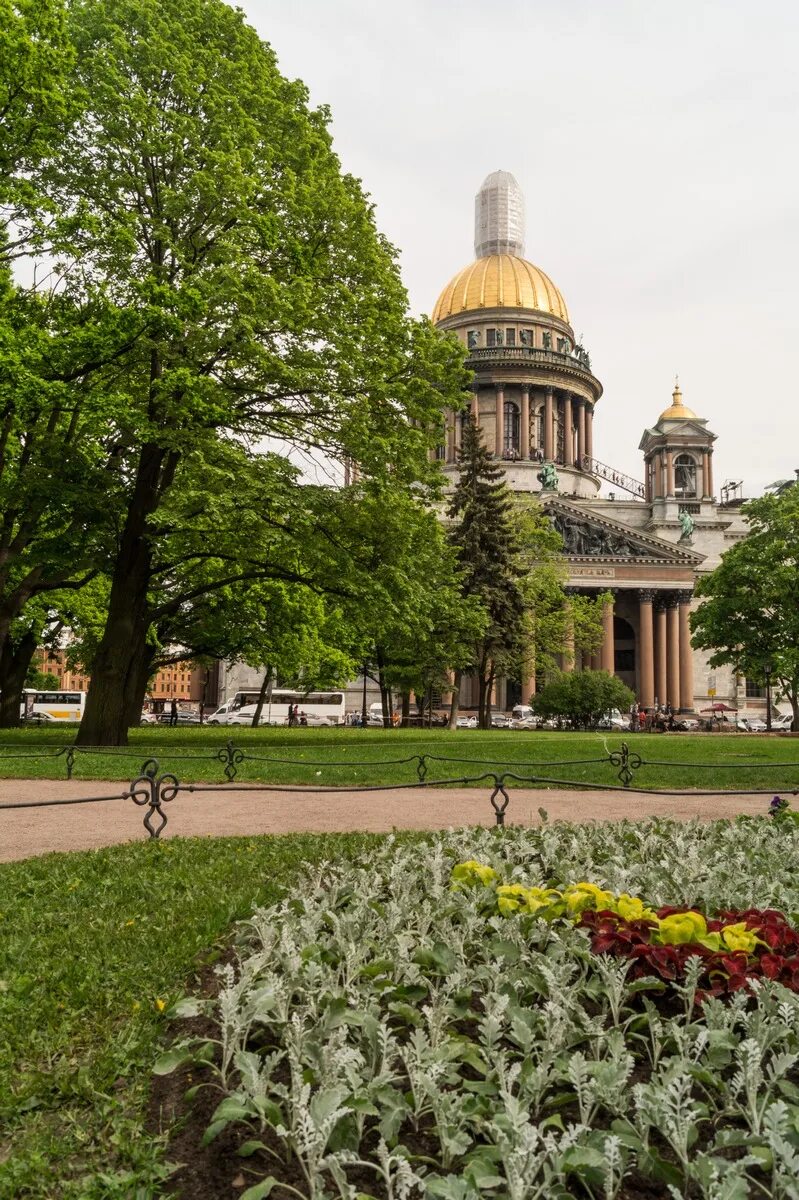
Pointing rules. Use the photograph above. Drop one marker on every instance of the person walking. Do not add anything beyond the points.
(173, 713)
(634, 717)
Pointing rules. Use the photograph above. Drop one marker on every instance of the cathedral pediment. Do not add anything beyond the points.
(587, 536)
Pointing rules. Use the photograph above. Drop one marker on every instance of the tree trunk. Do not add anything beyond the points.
(117, 663)
(406, 709)
(14, 664)
(456, 699)
(138, 689)
(262, 696)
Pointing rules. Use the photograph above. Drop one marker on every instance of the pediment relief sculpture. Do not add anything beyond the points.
(581, 539)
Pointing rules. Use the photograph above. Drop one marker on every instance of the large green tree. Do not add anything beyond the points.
(205, 201)
(749, 611)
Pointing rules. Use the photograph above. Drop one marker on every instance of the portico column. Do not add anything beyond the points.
(589, 431)
(647, 654)
(524, 433)
(458, 432)
(673, 652)
(528, 670)
(549, 425)
(658, 477)
(669, 473)
(710, 473)
(686, 657)
(568, 433)
(580, 432)
(706, 492)
(661, 677)
(476, 405)
(500, 420)
(608, 652)
(451, 419)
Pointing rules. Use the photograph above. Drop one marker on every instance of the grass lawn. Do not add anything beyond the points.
(93, 948)
(353, 757)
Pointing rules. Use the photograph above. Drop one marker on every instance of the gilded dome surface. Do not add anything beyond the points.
(500, 281)
(677, 411)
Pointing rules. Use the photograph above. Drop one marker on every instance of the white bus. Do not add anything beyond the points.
(52, 706)
(315, 708)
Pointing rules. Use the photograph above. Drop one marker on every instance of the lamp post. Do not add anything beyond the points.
(767, 669)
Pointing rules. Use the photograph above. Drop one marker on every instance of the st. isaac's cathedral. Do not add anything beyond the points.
(535, 398)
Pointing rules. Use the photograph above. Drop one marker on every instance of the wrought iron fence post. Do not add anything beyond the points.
(153, 789)
(70, 761)
(421, 767)
(230, 757)
(626, 762)
(500, 790)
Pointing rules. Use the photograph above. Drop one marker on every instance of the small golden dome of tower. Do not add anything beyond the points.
(677, 411)
(500, 281)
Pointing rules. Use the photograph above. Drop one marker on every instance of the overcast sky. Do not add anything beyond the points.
(657, 147)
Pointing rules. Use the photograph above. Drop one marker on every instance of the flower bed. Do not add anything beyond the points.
(386, 1034)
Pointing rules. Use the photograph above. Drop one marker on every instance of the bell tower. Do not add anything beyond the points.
(678, 464)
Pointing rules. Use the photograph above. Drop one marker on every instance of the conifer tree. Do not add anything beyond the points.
(490, 554)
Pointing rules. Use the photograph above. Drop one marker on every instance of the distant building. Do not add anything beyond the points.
(535, 397)
(183, 681)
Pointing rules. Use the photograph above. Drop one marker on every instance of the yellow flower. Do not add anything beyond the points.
(680, 928)
(129, 923)
(136, 1006)
(160, 1005)
(632, 908)
(582, 896)
(469, 874)
(511, 898)
(738, 937)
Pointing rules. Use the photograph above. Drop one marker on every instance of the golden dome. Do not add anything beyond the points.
(677, 410)
(500, 281)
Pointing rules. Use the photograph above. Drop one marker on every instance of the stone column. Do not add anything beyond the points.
(646, 687)
(458, 433)
(549, 426)
(580, 432)
(589, 431)
(451, 421)
(673, 653)
(528, 671)
(476, 405)
(686, 656)
(658, 476)
(706, 492)
(669, 473)
(568, 432)
(500, 427)
(524, 432)
(608, 651)
(661, 676)
(710, 473)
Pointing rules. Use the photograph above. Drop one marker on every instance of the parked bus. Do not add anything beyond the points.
(315, 708)
(52, 706)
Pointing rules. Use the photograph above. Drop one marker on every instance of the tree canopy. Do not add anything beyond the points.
(749, 611)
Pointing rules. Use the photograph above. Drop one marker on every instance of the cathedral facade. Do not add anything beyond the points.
(535, 397)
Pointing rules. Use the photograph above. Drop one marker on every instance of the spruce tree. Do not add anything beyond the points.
(490, 554)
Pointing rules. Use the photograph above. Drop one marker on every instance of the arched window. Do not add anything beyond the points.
(684, 476)
(511, 443)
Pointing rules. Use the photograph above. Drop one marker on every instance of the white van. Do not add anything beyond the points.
(523, 717)
(224, 713)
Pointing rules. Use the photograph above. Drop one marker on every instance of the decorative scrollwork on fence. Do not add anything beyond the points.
(153, 789)
(231, 757)
(70, 761)
(421, 767)
(626, 762)
(499, 809)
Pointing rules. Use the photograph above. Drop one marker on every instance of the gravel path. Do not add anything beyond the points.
(27, 832)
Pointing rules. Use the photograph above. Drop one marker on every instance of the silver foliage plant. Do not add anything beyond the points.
(379, 1024)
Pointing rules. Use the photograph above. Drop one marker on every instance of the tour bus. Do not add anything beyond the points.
(52, 706)
(315, 708)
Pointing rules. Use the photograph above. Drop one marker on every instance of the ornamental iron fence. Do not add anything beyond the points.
(153, 788)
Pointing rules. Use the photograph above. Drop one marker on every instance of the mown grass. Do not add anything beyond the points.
(353, 757)
(93, 947)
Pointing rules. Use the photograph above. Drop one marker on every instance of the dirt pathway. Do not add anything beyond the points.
(31, 831)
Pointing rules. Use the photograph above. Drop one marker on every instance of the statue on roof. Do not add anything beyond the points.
(548, 477)
(686, 525)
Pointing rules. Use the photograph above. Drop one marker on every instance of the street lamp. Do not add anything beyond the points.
(767, 669)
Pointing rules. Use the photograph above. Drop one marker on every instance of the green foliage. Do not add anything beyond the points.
(749, 611)
(536, 1065)
(42, 681)
(582, 697)
(88, 965)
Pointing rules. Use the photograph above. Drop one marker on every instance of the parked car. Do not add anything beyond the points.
(783, 722)
(467, 722)
(185, 717)
(148, 718)
(500, 721)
